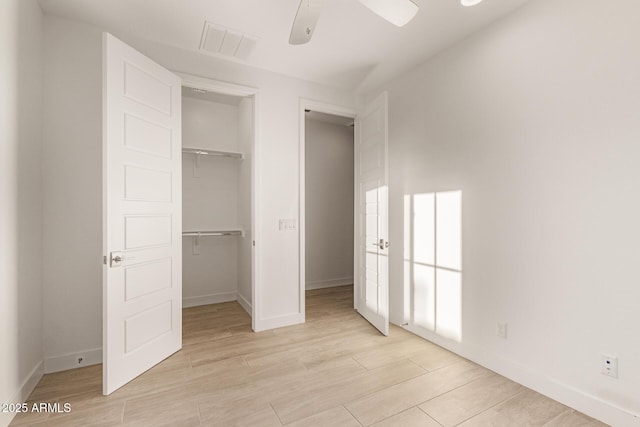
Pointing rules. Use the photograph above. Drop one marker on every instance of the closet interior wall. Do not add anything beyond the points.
(216, 197)
(328, 201)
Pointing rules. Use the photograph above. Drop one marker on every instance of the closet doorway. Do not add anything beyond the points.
(326, 208)
(219, 146)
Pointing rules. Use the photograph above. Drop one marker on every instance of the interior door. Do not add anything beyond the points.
(142, 283)
(372, 218)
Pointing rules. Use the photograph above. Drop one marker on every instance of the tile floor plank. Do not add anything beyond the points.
(263, 417)
(413, 417)
(400, 397)
(458, 405)
(294, 407)
(337, 416)
(571, 418)
(527, 408)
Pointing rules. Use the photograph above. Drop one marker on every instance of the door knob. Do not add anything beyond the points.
(381, 244)
(116, 258)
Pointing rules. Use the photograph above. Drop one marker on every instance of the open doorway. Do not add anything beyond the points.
(220, 145)
(370, 213)
(217, 136)
(327, 211)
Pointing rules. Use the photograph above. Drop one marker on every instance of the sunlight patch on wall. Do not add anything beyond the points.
(433, 262)
(424, 230)
(448, 230)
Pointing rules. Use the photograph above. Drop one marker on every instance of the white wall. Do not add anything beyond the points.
(535, 119)
(72, 193)
(209, 125)
(210, 195)
(20, 200)
(329, 204)
(209, 202)
(72, 201)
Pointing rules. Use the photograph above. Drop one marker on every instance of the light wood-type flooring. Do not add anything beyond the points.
(334, 370)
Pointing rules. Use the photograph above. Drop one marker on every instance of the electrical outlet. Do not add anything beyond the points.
(609, 366)
(501, 330)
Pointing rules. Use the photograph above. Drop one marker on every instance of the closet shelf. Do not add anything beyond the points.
(202, 233)
(218, 153)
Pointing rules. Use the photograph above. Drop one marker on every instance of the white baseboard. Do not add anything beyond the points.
(94, 356)
(321, 284)
(208, 299)
(278, 322)
(244, 303)
(22, 394)
(73, 360)
(538, 381)
(557, 390)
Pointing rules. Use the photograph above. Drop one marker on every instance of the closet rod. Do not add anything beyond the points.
(213, 153)
(212, 233)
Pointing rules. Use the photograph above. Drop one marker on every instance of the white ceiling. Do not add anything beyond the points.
(352, 48)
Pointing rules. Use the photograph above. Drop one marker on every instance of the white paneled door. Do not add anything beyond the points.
(372, 214)
(142, 285)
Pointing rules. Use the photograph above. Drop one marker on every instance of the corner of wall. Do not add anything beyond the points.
(244, 302)
(21, 83)
(23, 392)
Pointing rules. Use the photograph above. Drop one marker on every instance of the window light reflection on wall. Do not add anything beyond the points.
(433, 262)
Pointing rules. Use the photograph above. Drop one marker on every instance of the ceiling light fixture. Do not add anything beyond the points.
(305, 21)
(398, 12)
(469, 2)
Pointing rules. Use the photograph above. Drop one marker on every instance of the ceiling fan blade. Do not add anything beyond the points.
(305, 23)
(398, 12)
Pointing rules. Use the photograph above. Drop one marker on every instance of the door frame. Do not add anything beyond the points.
(225, 88)
(336, 110)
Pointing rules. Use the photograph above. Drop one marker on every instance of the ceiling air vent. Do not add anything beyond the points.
(223, 41)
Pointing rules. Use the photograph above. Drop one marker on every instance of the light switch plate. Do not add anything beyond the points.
(287, 224)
